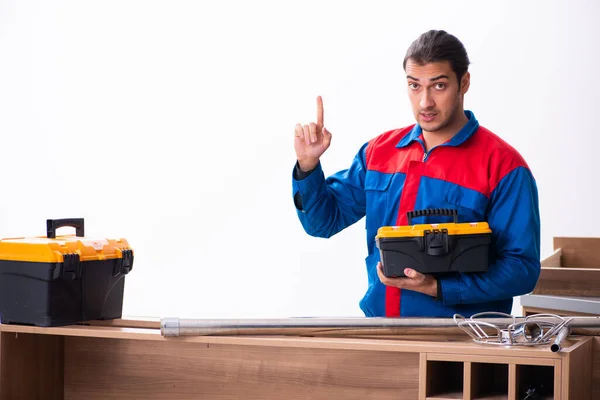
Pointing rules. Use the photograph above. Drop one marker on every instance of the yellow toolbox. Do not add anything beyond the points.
(434, 248)
(62, 280)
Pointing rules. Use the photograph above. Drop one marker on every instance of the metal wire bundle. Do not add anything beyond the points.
(538, 329)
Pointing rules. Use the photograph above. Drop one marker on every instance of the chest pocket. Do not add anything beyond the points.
(377, 181)
(377, 185)
(470, 204)
(380, 199)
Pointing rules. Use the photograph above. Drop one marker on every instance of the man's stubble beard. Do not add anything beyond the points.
(449, 120)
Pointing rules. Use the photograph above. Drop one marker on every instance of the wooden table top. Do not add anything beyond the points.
(421, 340)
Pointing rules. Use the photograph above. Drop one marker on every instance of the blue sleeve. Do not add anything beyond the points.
(327, 206)
(513, 216)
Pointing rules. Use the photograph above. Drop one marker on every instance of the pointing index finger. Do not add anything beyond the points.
(320, 112)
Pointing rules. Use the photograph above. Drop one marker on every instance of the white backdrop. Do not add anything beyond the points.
(170, 123)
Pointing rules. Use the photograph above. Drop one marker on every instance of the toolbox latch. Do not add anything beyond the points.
(436, 242)
(124, 265)
(71, 266)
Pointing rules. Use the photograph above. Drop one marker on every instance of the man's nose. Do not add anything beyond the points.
(426, 100)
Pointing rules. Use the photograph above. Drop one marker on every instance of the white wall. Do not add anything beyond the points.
(170, 123)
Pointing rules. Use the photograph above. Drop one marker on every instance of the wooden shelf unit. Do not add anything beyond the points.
(486, 378)
(572, 270)
(130, 359)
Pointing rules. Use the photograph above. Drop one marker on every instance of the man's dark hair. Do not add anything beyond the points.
(436, 46)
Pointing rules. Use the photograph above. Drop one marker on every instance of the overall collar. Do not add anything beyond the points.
(463, 135)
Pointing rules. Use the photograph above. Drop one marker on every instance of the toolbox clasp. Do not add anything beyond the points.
(436, 242)
(124, 265)
(71, 266)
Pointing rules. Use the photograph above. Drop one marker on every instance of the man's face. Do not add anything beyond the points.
(435, 94)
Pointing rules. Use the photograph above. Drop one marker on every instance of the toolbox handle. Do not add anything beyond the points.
(447, 212)
(53, 224)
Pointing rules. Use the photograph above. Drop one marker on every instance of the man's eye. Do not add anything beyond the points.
(440, 86)
(413, 85)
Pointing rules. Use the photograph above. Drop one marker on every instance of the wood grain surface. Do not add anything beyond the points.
(128, 370)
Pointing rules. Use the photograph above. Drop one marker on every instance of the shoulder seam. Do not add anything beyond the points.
(510, 171)
(382, 136)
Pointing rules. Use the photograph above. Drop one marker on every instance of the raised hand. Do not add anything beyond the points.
(311, 140)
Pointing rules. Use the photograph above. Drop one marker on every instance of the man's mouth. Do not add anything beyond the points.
(428, 117)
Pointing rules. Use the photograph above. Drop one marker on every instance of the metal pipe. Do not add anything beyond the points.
(560, 336)
(318, 325)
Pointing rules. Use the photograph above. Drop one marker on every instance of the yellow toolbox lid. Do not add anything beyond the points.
(41, 249)
(465, 228)
(52, 248)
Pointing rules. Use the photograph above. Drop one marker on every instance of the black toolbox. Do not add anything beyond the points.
(434, 248)
(54, 281)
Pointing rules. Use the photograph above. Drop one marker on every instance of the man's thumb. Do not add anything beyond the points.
(326, 137)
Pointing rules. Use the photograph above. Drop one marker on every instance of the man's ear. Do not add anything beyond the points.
(465, 82)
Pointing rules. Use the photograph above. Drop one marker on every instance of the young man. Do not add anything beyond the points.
(445, 160)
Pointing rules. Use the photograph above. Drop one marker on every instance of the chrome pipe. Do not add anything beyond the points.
(560, 336)
(173, 327)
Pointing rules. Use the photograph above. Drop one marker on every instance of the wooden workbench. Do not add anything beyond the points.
(129, 359)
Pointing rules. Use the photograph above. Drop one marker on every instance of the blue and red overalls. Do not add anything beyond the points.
(476, 173)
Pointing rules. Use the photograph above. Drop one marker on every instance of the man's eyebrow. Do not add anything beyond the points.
(432, 79)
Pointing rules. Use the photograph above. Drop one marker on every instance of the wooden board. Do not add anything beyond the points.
(31, 367)
(114, 362)
(152, 337)
(125, 369)
(579, 252)
(596, 369)
(575, 282)
(527, 311)
(578, 384)
(554, 260)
